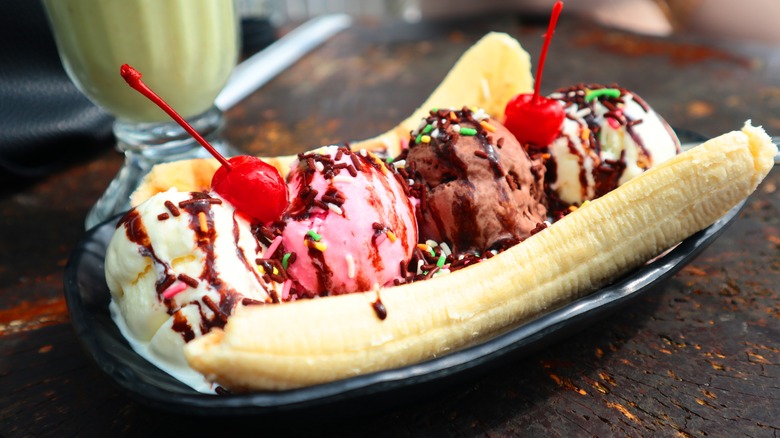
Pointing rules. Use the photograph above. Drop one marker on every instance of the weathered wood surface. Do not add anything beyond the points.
(697, 356)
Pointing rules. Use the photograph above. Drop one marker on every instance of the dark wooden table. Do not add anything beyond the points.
(697, 356)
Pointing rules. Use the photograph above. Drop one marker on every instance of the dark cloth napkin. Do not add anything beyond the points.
(45, 122)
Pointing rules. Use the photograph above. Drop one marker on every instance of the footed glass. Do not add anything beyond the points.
(185, 49)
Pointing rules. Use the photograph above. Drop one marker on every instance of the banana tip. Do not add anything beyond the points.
(762, 149)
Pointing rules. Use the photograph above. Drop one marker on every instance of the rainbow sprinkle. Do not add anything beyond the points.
(204, 225)
(442, 259)
(174, 290)
(286, 290)
(612, 93)
(319, 246)
(350, 265)
(487, 126)
(272, 247)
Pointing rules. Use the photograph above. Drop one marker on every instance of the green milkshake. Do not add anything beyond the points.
(185, 49)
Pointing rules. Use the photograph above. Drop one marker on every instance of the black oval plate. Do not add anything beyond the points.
(88, 297)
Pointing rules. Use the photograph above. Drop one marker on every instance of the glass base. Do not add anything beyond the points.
(146, 145)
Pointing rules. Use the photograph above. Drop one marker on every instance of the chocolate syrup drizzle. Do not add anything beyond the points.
(198, 206)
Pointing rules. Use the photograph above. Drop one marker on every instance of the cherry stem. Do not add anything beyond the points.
(133, 78)
(556, 12)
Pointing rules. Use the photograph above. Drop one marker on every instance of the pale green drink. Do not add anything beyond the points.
(185, 50)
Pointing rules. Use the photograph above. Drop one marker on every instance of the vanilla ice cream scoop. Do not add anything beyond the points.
(609, 136)
(177, 266)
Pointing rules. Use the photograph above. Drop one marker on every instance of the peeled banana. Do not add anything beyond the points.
(320, 340)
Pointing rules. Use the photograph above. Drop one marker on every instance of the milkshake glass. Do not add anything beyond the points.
(185, 49)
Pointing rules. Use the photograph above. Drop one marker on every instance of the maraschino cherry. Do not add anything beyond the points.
(533, 118)
(253, 186)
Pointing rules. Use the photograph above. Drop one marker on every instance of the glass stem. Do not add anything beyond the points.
(147, 144)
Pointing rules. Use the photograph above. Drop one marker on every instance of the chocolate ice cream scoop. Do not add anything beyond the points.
(477, 186)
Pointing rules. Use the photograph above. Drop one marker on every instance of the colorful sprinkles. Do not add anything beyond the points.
(429, 259)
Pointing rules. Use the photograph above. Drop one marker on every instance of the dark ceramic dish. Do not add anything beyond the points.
(88, 297)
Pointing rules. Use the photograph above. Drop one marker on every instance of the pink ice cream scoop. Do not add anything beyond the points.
(350, 224)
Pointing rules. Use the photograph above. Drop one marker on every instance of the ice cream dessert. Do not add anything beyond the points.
(609, 135)
(177, 267)
(174, 313)
(350, 225)
(477, 186)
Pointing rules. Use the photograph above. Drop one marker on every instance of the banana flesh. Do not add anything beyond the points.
(315, 341)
